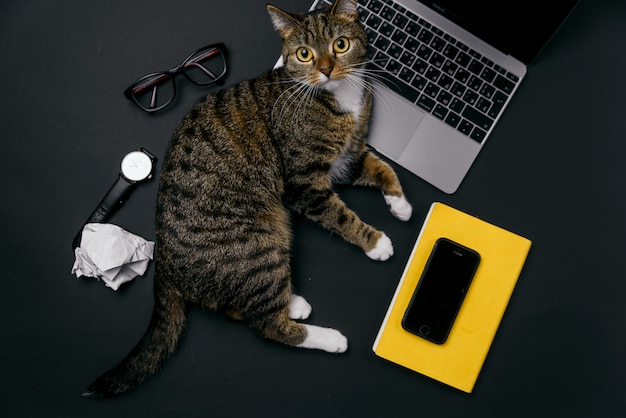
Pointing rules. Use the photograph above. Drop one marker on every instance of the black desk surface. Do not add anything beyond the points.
(552, 171)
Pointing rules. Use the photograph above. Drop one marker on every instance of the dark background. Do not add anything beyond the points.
(553, 171)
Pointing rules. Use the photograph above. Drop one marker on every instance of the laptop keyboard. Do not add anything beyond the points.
(432, 69)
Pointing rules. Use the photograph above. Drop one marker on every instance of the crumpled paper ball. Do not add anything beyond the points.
(112, 254)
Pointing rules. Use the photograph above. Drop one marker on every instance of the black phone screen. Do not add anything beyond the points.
(441, 290)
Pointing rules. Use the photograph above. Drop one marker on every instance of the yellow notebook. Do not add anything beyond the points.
(459, 360)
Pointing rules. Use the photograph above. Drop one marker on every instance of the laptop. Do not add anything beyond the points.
(448, 69)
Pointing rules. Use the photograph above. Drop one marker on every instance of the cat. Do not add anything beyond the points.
(237, 165)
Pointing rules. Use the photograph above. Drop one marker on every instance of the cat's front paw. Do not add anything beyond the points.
(383, 249)
(399, 206)
(299, 308)
(326, 339)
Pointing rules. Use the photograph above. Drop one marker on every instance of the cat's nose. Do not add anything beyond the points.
(326, 70)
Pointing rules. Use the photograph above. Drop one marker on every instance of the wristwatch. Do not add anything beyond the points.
(137, 167)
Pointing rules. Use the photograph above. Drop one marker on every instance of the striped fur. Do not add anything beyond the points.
(239, 162)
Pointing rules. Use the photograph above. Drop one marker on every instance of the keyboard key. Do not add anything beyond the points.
(425, 36)
(457, 105)
(395, 51)
(432, 90)
(399, 36)
(478, 134)
(470, 97)
(452, 119)
(412, 28)
(488, 74)
(483, 104)
(381, 59)
(445, 81)
(375, 6)
(440, 111)
(512, 77)
(462, 75)
(450, 51)
(363, 15)
(438, 44)
(412, 45)
(437, 59)
(394, 67)
(487, 91)
(449, 68)
(499, 99)
(424, 52)
(374, 21)
(474, 83)
(462, 59)
(475, 67)
(382, 43)
(477, 118)
(419, 82)
(444, 98)
(436, 31)
(426, 103)
(386, 29)
(432, 74)
(465, 127)
(458, 89)
(504, 84)
(387, 13)
(407, 59)
(371, 35)
(406, 74)
(400, 21)
(420, 66)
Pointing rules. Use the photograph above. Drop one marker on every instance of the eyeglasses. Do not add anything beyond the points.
(156, 91)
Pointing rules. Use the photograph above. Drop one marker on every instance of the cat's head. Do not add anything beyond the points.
(322, 47)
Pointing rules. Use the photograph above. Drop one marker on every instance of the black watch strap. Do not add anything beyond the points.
(114, 198)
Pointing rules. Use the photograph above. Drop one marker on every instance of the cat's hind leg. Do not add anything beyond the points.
(377, 173)
(279, 327)
(274, 320)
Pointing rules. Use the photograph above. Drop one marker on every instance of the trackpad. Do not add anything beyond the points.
(394, 121)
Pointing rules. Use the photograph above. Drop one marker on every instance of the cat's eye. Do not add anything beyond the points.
(341, 45)
(304, 54)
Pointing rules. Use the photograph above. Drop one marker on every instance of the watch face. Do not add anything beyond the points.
(136, 166)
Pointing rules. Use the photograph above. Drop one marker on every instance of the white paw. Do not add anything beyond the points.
(383, 249)
(299, 308)
(326, 339)
(400, 207)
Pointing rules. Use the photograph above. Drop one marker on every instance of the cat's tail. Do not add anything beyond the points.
(157, 343)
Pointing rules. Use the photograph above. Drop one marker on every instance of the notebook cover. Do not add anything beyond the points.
(459, 360)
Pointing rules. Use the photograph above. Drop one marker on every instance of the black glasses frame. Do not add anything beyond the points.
(155, 79)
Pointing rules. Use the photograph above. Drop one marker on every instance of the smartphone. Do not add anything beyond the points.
(441, 290)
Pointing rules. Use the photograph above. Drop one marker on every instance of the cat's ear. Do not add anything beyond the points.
(345, 7)
(283, 22)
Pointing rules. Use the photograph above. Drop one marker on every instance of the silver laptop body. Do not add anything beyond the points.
(429, 132)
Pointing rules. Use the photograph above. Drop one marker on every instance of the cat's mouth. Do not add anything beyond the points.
(328, 82)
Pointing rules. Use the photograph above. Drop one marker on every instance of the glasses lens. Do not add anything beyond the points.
(205, 66)
(154, 91)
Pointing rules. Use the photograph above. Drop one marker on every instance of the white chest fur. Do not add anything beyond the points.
(348, 93)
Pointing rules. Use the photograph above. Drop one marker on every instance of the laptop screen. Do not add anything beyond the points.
(520, 29)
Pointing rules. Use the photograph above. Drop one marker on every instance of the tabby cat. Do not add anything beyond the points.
(238, 163)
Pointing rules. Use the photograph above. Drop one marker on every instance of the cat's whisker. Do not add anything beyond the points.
(364, 75)
(295, 90)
